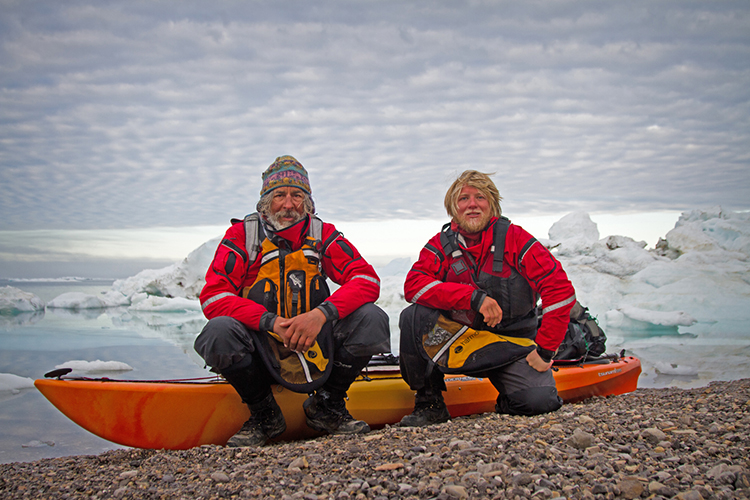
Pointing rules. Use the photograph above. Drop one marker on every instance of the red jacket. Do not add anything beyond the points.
(426, 281)
(229, 273)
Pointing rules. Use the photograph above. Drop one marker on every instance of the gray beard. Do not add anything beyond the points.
(278, 224)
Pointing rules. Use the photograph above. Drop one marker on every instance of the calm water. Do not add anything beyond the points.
(157, 346)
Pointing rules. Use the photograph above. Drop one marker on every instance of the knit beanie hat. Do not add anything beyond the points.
(285, 171)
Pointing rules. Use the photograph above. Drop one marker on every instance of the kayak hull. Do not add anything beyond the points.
(180, 415)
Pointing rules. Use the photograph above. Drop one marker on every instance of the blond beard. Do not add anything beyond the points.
(473, 225)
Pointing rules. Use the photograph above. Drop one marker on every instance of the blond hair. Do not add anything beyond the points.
(482, 183)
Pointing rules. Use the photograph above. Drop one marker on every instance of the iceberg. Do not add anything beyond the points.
(77, 300)
(97, 366)
(14, 301)
(183, 279)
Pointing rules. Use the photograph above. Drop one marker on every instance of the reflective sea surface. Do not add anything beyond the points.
(156, 346)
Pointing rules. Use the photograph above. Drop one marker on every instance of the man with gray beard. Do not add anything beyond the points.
(272, 318)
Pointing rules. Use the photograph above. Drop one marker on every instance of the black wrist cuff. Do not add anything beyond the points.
(545, 354)
(266, 321)
(477, 297)
(329, 310)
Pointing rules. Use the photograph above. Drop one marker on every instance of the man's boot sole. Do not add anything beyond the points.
(337, 431)
(230, 444)
(442, 418)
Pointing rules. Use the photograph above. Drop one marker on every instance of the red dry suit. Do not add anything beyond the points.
(446, 278)
(230, 272)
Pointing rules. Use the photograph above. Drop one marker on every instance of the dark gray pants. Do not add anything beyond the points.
(228, 348)
(522, 390)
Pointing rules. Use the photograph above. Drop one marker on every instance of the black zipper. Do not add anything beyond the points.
(282, 283)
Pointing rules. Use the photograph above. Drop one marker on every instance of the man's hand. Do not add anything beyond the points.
(299, 333)
(491, 311)
(536, 362)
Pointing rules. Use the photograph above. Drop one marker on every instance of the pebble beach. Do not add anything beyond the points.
(654, 443)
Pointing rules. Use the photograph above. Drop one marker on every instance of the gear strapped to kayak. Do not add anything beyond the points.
(584, 337)
(290, 283)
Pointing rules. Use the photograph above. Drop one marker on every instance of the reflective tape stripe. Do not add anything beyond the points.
(316, 228)
(423, 290)
(365, 277)
(274, 254)
(449, 343)
(309, 252)
(215, 298)
(305, 368)
(559, 304)
(252, 223)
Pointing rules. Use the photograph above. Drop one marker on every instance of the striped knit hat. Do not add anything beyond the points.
(285, 171)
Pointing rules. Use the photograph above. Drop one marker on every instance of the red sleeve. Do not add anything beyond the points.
(228, 273)
(547, 277)
(424, 283)
(343, 264)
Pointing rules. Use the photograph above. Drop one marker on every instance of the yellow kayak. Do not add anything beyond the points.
(181, 415)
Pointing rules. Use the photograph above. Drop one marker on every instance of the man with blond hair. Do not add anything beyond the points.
(474, 293)
(272, 319)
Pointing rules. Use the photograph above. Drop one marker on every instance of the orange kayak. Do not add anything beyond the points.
(181, 415)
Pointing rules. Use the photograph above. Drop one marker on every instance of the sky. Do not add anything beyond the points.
(128, 125)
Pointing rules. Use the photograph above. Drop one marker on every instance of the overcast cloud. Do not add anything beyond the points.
(142, 114)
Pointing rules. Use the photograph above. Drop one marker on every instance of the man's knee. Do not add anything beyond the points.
(530, 401)
(366, 331)
(413, 322)
(372, 317)
(406, 318)
(224, 342)
(417, 317)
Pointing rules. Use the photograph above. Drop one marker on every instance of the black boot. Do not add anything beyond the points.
(266, 422)
(326, 412)
(429, 408)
